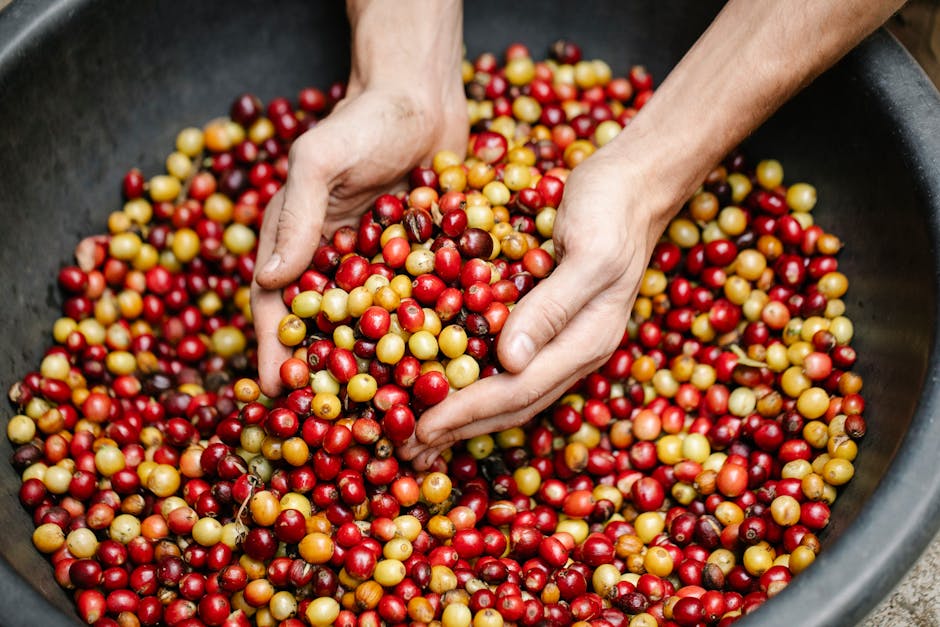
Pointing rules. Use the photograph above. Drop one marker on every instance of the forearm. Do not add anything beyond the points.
(753, 57)
(417, 44)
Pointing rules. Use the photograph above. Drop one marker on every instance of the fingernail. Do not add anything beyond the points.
(273, 262)
(522, 348)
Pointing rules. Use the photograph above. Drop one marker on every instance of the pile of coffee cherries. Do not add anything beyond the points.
(683, 483)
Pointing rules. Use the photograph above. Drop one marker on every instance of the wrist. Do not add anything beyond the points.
(413, 47)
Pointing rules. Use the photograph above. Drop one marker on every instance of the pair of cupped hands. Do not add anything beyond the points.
(566, 326)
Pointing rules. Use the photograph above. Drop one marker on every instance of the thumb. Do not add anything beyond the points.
(290, 232)
(543, 313)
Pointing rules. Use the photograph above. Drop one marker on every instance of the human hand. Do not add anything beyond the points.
(609, 220)
(618, 202)
(361, 150)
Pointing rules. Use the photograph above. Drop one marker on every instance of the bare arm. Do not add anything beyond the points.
(752, 58)
(404, 102)
(415, 44)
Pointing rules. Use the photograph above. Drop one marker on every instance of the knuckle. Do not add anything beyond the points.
(449, 437)
(551, 315)
(287, 221)
(530, 396)
(431, 429)
(602, 345)
(601, 350)
(529, 391)
(406, 452)
(297, 154)
(605, 263)
(288, 214)
(608, 273)
(275, 203)
(301, 149)
(424, 431)
(593, 362)
(531, 400)
(305, 158)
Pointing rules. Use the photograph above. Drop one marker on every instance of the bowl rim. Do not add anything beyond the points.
(874, 553)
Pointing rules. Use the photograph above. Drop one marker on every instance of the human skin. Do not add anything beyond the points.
(751, 59)
(404, 102)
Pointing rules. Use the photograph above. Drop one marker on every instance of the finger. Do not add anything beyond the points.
(427, 457)
(425, 452)
(410, 448)
(267, 309)
(543, 313)
(421, 455)
(268, 230)
(290, 234)
(507, 399)
(466, 416)
(268, 233)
